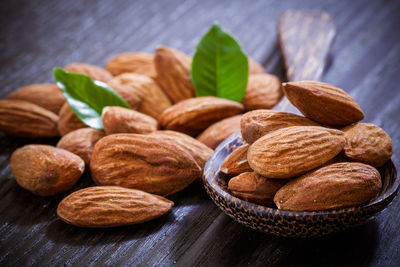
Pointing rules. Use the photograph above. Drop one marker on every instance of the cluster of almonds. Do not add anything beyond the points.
(325, 160)
(131, 159)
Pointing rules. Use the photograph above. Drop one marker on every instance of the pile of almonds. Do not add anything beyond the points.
(144, 154)
(325, 160)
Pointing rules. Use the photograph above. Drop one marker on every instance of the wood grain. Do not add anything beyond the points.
(38, 35)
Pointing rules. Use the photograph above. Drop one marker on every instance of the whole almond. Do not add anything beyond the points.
(291, 151)
(25, 119)
(140, 63)
(151, 163)
(154, 101)
(173, 73)
(191, 116)
(81, 142)
(254, 188)
(323, 103)
(45, 95)
(257, 123)
(110, 206)
(45, 170)
(219, 131)
(236, 162)
(94, 72)
(335, 186)
(68, 121)
(263, 92)
(131, 95)
(367, 143)
(123, 120)
(255, 67)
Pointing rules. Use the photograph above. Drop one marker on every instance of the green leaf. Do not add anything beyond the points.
(219, 66)
(86, 97)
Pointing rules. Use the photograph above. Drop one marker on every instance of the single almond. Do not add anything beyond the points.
(138, 62)
(334, 186)
(131, 95)
(68, 121)
(45, 170)
(123, 120)
(257, 123)
(81, 142)
(94, 72)
(25, 119)
(45, 95)
(154, 101)
(173, 73)
(236, 162)
(292, 151)
(191, 116)
(110, 206)
(323, 103)
(367, 143)
(254, 188)
(255, 67)
(263, 92)
(219, 131)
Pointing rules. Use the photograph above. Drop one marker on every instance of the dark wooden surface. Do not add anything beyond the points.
(37, 35)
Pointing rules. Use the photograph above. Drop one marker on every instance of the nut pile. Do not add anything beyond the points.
(144, 154)
(325, 160)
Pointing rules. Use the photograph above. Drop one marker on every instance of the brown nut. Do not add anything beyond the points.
(68, 121)
(94, 72)
(255, 67)
(236, 162)
(138, 62)
(131, 96)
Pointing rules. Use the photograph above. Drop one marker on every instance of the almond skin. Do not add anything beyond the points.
(255, 67)
(139, 63)
(254, 188)
(257, 123)
(94, 72)
(68, 121)
(263, 92)
(191, 116)
(236, 162)
(323, 103)
(123, 120)
(45, 170)
(151, 163)
(25, 119)
(291, 151)
(219, 131)
(173, 73)
(110, 206)
(45, 95)
(367, 143)
(81, 142)
(131, 95)
(154, 101)
(334, 186)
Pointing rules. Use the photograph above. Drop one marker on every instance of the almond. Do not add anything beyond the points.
(94, 72)
(236, 162)
(140, 63)
(151, 163)
(25, 119)
(123, 120)
(219, 131)
(258, 123)
(335, 186)
(263, 92)
(68, 121)
(154, 101)
(131, 95)
(367, 143)
(254, 188)
(291, 151)
(45, 170)
(45, 95)
(173, 73)
(255, 67)
(323, 103)
(193, 115)
(81, 142)
(110, 206)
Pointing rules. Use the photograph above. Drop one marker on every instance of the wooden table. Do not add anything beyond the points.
(38, 35)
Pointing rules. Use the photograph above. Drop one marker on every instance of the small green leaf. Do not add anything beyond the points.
(86, 97)
(219, 66)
